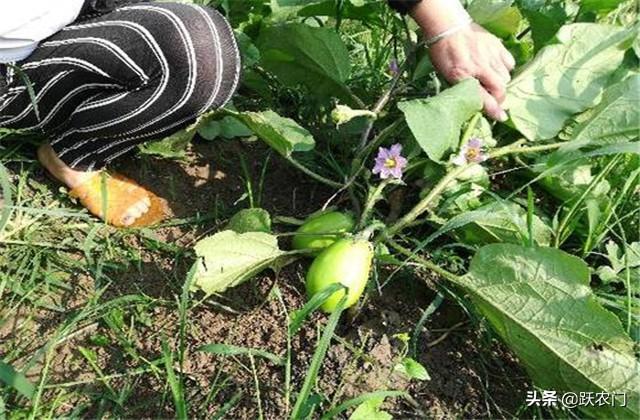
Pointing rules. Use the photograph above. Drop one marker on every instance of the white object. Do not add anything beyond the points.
(445, 34)
(24, 23)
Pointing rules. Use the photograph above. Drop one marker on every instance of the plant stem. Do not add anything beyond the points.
(377, 141)
(374, 196)
(314, 175)
(453, 278)
(355, 98)
(382, 102)
(515, 148)
(423, 205)
(358, 165)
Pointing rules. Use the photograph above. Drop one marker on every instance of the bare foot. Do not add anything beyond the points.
(72, 178)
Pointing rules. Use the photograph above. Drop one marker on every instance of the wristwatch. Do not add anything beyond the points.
(403, 6)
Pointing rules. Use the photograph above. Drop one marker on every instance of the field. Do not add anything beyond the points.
(506, 257)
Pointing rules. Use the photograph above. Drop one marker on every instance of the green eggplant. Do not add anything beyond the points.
(320, 231)
(347, 261)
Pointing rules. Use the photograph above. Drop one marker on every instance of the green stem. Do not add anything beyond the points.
(385, 133)
(374, 196)
(472, 125)
(313, 175)
(368, 232)
(356, 99)
(455, 279)
(423, 205)
(357, 166)
(383, 100)
(516, 148)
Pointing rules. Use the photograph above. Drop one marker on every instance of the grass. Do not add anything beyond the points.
(101, 322)
(58, 265)
(61, 292)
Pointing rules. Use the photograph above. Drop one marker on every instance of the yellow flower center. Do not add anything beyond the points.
(390, 163)
(472, 154)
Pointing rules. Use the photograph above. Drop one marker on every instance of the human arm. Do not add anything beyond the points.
(469, 51)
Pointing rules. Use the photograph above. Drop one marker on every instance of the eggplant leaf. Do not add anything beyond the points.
(299, 54)
(500, 221)
(228, 258)
(615, 119)
(282, 134)
(565, 78)
(436, 122)
(539, 301)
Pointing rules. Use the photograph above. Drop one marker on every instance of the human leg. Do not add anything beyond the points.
(105, 85)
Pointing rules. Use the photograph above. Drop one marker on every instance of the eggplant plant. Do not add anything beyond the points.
(529, 201)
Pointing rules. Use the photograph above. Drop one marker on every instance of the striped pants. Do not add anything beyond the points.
(104, 85)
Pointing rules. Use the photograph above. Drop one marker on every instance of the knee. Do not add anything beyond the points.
(218, 55)
(214, 49)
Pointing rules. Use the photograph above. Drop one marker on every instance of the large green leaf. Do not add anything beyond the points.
(615, 119)
(299, 54)
(497, 16)
(282, 134)
(540, 302)
(571, 181)
(599, 5)
(228, 258)
(545, 19)
(565, 78)
(500, 221)
(436, 122)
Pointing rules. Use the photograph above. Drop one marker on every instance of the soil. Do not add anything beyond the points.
(472, 375)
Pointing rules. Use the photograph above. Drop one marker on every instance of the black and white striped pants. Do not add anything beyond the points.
(104, 85)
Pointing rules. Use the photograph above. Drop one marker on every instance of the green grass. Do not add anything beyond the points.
(62, 293)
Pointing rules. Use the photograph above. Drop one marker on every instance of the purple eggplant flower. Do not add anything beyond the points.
(471, 152)
(394, 68)
(389, 162)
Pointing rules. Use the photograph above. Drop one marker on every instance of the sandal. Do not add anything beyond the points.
(122, 193)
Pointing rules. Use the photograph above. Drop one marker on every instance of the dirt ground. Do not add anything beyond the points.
(472, 375)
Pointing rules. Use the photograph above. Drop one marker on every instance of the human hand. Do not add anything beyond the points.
(474, 52)
(469, 52)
